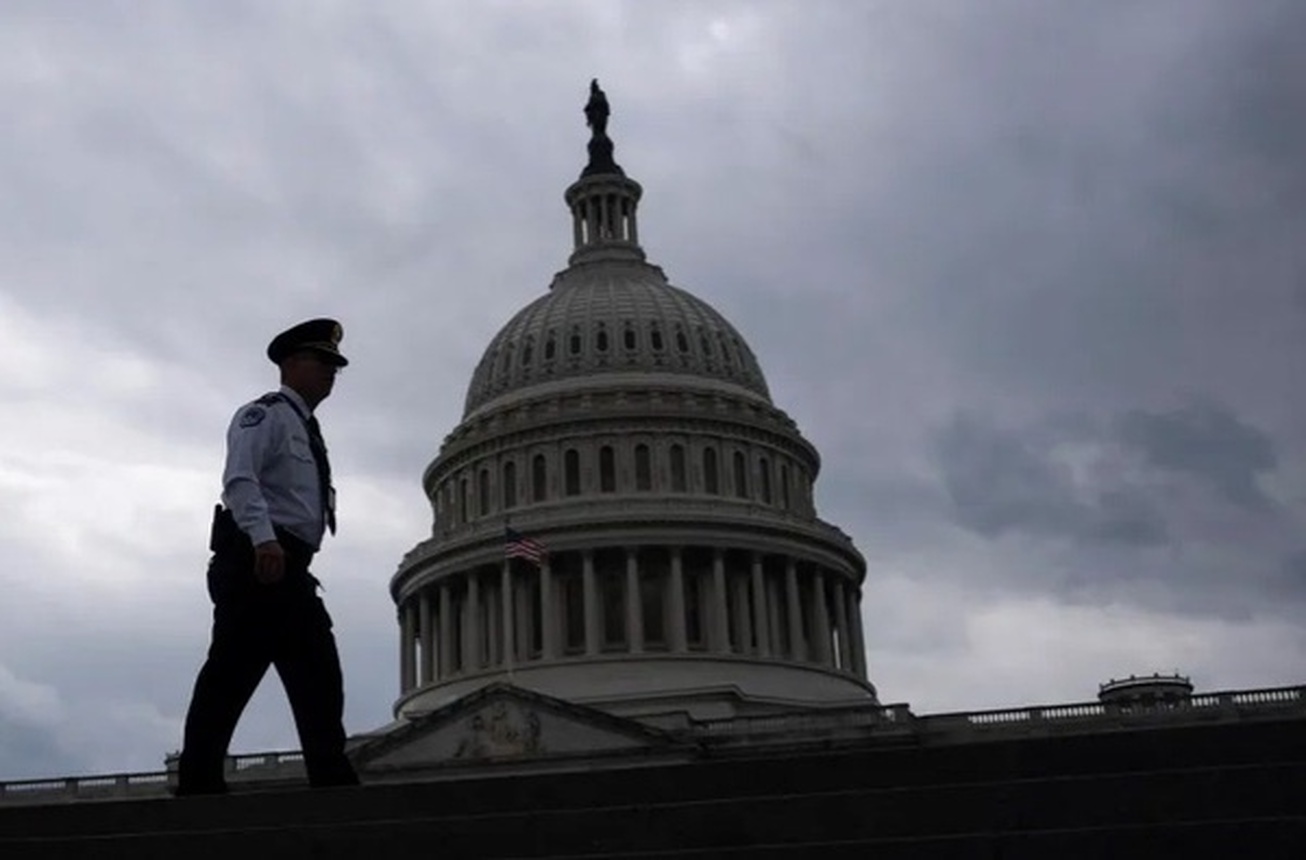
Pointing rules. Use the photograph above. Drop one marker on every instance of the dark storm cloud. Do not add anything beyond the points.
(1154, 509)
(1065, 205)
(1000, 481)
(1210, 442)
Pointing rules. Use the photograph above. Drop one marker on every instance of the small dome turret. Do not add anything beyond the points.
(1148, 690)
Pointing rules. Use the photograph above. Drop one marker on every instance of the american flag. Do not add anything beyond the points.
(517, 545)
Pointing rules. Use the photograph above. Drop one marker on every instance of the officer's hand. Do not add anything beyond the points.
(269, 562)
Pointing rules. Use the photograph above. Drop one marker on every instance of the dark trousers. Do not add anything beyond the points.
(284, 625)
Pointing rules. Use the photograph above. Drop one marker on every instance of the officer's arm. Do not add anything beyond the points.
(251, 439)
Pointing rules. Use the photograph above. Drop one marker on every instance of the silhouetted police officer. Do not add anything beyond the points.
(277, 503)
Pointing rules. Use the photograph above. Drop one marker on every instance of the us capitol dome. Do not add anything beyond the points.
(623, 518)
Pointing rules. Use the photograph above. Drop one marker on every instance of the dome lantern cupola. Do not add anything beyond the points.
(603, 200)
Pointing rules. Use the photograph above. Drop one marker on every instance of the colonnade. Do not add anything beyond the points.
(630, 600)
(604, 217)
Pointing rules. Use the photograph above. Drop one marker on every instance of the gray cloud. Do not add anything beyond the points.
(32, 752)
(996, 482)
(1000, 481)
(1209, 442)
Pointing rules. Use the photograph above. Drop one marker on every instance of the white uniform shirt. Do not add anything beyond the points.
(271, 477)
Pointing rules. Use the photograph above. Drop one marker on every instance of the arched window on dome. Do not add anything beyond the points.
(462, 501)
(705, 342)
(711, 480)
(655, 336)
(607, 470)
(764, 480)
(509, 485)
(527, 351)
(551, 346)
(601, 338)
(628, 336)
(643, 469)
(539, 478)
(784, 486)
(571, 472)
(573, 342)
(678, 468)
(682, 342)
(741, 475)
(483, 491)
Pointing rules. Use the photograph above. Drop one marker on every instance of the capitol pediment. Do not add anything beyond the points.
(502, 723)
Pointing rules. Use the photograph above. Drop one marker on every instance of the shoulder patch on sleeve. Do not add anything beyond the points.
(253, 416)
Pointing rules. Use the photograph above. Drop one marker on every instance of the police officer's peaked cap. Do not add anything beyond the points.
(321, 336)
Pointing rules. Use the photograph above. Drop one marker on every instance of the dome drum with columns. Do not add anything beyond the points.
(626, 426)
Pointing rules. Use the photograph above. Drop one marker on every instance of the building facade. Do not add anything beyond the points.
(622, 430)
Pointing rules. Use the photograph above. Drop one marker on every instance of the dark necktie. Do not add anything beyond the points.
(318, 447)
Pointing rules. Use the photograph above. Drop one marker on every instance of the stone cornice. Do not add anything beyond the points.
(635, 521)
(612, 411)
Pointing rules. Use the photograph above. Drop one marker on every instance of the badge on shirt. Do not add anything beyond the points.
(253, 416)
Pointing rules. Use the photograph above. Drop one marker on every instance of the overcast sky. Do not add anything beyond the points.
(1031, 275)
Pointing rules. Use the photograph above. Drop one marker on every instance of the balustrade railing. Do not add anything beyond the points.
(246, 767)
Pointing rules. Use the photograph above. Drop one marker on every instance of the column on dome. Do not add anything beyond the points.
(506, 627)
(679, 642)
(741, 607)
(795, 608)
(820, 653)
(634, 609)
(759, 607)
(426, 630)
(445, 630)
(548, 618)
(491, 616)
(841, 624)
(719, 639)
(859, 639)
(774, 606)
(589, 591)
(523, 609)
(407, 647)
(472, 623)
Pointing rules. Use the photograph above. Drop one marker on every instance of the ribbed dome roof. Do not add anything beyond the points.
(613, 316)
(610, 312)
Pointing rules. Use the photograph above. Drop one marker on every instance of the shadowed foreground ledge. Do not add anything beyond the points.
(1188, 781)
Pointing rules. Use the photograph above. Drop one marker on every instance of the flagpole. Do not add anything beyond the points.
(516, 546)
